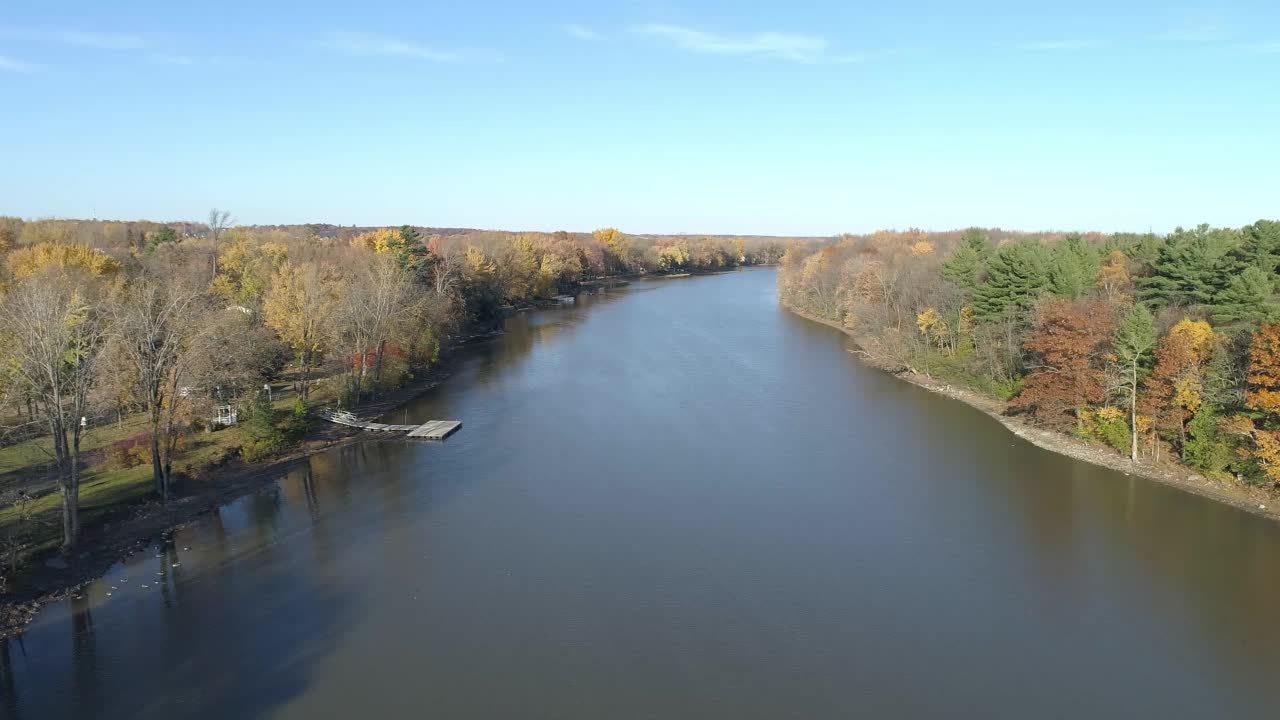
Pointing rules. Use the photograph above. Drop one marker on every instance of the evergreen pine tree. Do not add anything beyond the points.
(1191, 267)
(1017, 275)
(1074, 269)
(1249, 298)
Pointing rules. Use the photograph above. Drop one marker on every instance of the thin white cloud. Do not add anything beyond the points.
(181, 60)
(769, 45)
(8, 64)
(101, 40)
(371, 44)
(1058, 45)
(98, 40)
(582, 32)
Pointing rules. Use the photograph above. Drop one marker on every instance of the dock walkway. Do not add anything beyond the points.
(430, 430)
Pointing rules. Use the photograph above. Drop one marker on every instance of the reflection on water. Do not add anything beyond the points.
(676, 500)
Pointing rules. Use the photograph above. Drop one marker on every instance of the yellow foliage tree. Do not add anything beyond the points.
(479, 267)
(245, 268)
(617, 247)
(1113, 277)
(299, 306)
(673, 257)
(922, 248)
(379, 241)
(927, 320)
(35, 259)
(933, 327)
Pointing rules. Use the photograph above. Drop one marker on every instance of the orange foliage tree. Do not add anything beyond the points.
(1068, 341)
(1263, 395)
(1175, 387)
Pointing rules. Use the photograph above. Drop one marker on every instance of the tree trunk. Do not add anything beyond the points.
(377, 372)
(73, 510)
(69, 520)
(1133, 413)
(157, 470)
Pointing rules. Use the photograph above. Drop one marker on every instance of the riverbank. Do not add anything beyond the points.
(1254, 500)
(50, 576)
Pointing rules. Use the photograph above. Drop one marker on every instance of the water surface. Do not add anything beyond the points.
(679, 501)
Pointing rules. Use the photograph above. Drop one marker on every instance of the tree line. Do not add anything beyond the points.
(1162, 346)
(174, 320)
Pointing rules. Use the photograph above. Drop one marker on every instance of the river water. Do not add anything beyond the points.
(678, 501)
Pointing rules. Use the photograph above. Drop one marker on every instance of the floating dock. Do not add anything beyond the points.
(430, 430)
(436, 429)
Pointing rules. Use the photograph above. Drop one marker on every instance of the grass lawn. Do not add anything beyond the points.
(102, 488)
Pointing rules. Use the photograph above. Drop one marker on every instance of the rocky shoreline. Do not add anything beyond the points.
(1254, 500)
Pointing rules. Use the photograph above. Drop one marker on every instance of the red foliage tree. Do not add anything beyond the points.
(1067, 375)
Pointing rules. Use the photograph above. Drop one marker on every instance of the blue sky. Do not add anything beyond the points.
(723, 116)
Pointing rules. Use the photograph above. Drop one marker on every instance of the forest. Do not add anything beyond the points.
(126, 347)
(1164, 347)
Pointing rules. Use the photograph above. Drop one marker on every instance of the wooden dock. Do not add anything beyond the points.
(436, 429)
(430, 430)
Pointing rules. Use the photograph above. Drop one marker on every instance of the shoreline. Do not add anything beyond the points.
(1252, 500)
(131, 528)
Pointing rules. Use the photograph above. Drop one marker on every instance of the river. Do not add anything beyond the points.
(677, 500)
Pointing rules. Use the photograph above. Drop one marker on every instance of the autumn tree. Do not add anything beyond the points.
(1175, 388)
(1263, 396)
(45, 257)
(617, 248)
(51, 335)
(10, 231)
(154, 323)
(219, 221)
(381, 304)
(1113, 278)
(247, 264)
(299, 307)
(1068, 342)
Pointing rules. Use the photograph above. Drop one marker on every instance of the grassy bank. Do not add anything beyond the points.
(125, 514)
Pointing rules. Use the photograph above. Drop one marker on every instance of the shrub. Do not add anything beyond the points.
(139, 454)
(1109, 425)
(1207, 447)
(256, 450)
(129, 452)
(270, 431)
(296, 423)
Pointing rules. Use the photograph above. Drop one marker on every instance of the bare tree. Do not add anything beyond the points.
(219, 220)
(446, 272)
(53, 336)
(379, 303)
(153, 323)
